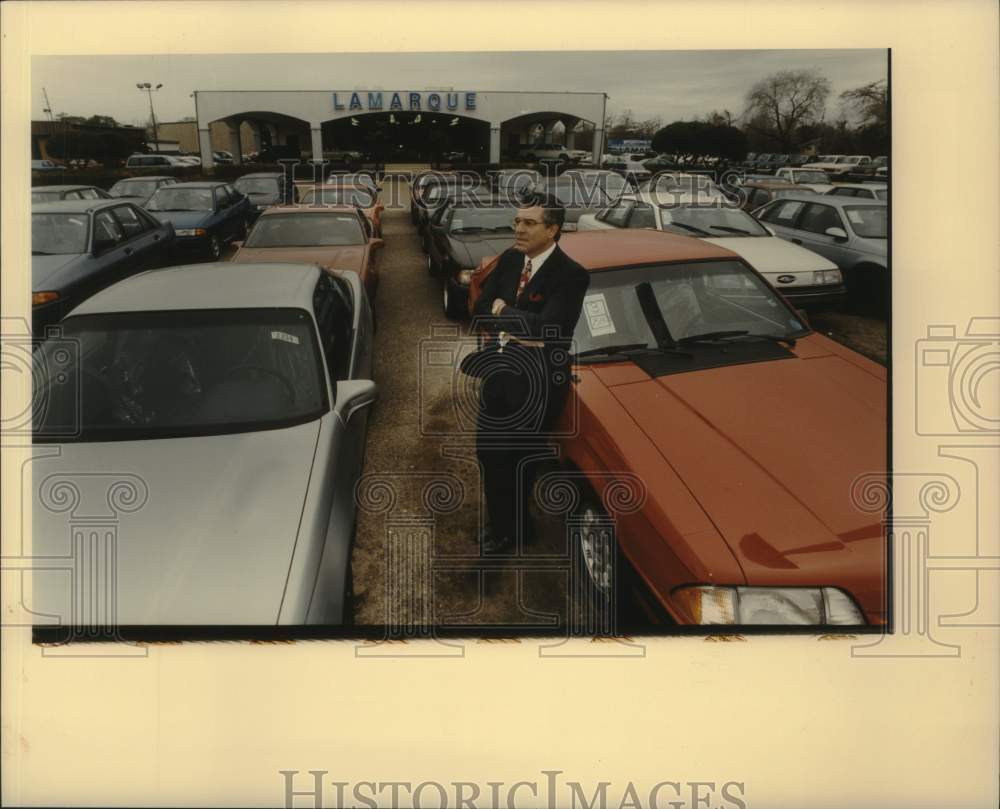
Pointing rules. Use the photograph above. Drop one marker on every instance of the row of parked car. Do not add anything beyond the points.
(834, 165)
(816, 250)
(747, 515)
(238, 394)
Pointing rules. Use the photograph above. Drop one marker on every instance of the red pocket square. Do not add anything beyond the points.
(535, 297)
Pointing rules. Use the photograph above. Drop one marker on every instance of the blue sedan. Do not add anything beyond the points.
(78, 247)
(205, 215)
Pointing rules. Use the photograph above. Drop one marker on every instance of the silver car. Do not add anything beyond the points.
(851, 232)
(214, 416)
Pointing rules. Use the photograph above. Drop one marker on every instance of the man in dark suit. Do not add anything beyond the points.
(528, 308)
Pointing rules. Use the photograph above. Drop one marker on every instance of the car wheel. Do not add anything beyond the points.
(214, 248)
(598, 565)
(453, 309)
(430, 265)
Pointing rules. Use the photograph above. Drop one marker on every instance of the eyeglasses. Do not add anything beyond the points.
(528, 223)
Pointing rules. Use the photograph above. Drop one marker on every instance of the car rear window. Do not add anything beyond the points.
(149, 375)
(59, 234)
(306, 230)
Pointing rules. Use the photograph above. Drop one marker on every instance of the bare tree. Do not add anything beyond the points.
(870, 102)
(782, 102)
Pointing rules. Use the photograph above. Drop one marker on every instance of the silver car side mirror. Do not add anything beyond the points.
(353, 395)
(838, 233)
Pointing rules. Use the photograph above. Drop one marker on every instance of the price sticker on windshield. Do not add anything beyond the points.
(285, 337)
(855, 216)
(599, 322)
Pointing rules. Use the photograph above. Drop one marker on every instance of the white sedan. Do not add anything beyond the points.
(801, 275)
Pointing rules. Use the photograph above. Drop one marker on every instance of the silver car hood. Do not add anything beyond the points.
(198, 530)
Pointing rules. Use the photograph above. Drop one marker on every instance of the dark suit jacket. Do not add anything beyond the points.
(549, 306)
(547, 310)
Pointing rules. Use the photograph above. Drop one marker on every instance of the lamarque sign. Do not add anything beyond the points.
(401, 101)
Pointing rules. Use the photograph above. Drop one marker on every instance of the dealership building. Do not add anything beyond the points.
(400, 124)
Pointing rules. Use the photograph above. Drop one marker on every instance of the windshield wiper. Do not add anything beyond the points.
(712, 336)
(690, 228)
(475, 229)
(626, 352)
(178, 210)
(42, 253)
(611, 349)
(728, 229)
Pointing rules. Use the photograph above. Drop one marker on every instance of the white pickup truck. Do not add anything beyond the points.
(840, 164)
(818, 181)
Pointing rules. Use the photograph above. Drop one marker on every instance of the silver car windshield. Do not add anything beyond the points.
(710, 220)
(45, 196)
(146, 375)
(133, 188)
(477, 220)
(58, 234)
(258, 185)
(868, 221)
(694, 298)
(181, 199)
(307, 230)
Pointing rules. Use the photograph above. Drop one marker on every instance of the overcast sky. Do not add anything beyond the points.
(674, 85)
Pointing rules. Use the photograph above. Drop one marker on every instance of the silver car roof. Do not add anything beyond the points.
(828, 199)
(76, 205)
(218, 285)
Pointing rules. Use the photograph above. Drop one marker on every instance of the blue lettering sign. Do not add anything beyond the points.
(453, 101)
(414, 101)
(355, 102)
(395, 104)
(434, 101)
(470, 101)
(374, 101)
(336, 104)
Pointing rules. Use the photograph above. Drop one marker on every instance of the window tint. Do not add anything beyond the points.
(132, 224)
(783, 213)
(333, 316)
(817, 218)
(618, 215)
(106, 228)
(88, 193)
(845, 192)
(642, 217)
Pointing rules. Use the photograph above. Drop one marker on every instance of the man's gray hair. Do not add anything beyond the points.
(553, 211)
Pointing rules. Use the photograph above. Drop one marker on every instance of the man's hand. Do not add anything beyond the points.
(498, 306)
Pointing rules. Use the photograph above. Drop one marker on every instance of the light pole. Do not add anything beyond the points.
(149, 92)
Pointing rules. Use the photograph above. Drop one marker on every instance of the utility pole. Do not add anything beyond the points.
(48, 106)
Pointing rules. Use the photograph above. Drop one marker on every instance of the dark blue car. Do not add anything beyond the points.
(205, 216)
(78, 247)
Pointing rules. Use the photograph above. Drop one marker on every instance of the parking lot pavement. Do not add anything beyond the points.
(416, 558)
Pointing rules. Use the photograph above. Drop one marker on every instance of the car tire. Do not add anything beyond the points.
(214, 248)
(452, 303)
(598, 569)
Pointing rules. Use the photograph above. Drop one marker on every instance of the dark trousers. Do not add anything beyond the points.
(518, 403)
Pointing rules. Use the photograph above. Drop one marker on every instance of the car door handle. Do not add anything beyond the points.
(128, 251)
(796, 241)
(156, 237)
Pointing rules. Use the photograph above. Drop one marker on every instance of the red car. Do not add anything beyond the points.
(741, 433)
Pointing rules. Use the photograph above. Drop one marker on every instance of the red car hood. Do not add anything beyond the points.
(772, 452)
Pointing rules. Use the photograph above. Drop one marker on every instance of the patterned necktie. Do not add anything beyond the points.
(525, 276)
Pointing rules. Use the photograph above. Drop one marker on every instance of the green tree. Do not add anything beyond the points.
(701, 139)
